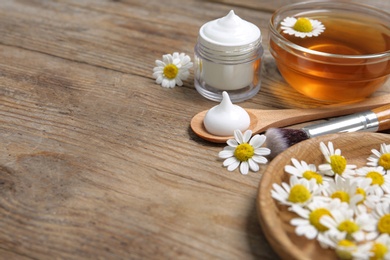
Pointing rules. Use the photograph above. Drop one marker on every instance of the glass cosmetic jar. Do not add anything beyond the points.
(228, 58)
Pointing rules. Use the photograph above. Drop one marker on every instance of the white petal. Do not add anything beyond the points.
(176, 62)
(253, 166)
(289, 21)
(244, 168)
(175, 55)
(158, 69)
(358, 236)
(282, 192)
(183, 75)
(327, 221)
(292, 170)
(167, 58)
(262, 151)
(278, 197)
(238, 136)
(376, 152)
(295, 162)
(247, 136)
(371, 235)
(331, 147)
(324, 167)
(172, 83)
(257, 141)
(324, 149)
(233, 166)
(301, 230)
(165, 83)
(179, 82)
(157, 74)
(186, 59)
(159, 63)
(187, 66)
(230, 161)
(304, 213)
(159, 79)
(232, 142)
(259, 159)
(225, 154)
(311, 232)
(299, 222)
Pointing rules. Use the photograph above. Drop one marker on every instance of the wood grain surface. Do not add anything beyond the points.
(99, 162)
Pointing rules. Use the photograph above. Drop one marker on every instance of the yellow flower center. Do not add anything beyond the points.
(171, 71)
(348, 226)
(244, 152)
(362, 192)
(303, 25)
(384, 224)
(384, 161)
(315, 216)
(338, 164)
(342, 195)
(345, 249)
(379, 250)
(312, 175)
(376, 178)
(299, 194)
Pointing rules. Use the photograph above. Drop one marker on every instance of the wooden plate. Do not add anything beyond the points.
(274, 218)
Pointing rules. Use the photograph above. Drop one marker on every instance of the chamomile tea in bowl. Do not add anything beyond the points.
(332, 51)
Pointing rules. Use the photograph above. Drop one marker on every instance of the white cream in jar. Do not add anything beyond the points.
(228, 58)
(223, 119)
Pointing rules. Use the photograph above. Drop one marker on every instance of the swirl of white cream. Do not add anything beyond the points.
(223, 119)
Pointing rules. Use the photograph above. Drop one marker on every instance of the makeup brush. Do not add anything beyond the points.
(378, 119)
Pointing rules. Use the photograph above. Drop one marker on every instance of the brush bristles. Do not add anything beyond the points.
(279, 139)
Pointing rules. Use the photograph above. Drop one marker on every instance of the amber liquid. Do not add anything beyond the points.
(337, 79)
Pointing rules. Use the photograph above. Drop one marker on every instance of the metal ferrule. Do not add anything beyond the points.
(365, 121)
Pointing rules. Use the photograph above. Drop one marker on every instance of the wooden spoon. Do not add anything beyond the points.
(262, 119)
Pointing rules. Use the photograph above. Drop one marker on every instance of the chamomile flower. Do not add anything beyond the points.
(353, 227)
(298, 191)
(381, 215)
(370, 195)
(302, 27)
(309, 224)
(172, 70)
(381, 157)
(377, 249)
(331, 238)
(380, 181)
(336, 163)
(245, 152)
(345, 249)
(304, 170)
(343, 189)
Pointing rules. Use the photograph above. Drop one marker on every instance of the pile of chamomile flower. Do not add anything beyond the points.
(344, 207)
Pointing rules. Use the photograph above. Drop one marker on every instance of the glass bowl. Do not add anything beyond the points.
(348, 61)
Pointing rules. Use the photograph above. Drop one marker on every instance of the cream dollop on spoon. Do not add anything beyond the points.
(223, 119)
(262, 119)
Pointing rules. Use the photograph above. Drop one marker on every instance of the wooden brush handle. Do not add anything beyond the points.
(383, 114)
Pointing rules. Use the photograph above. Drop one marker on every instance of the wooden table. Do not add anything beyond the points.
(96, 160)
